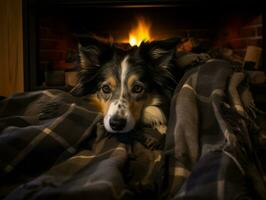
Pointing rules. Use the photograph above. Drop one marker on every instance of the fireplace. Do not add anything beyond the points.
(51, 29)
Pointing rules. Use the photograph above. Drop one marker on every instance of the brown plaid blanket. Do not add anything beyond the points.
(54, 146)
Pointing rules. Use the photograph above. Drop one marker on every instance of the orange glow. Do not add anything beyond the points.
(140, 33)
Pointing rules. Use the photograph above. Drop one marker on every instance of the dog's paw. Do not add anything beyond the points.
(154, 116)
(162, 128)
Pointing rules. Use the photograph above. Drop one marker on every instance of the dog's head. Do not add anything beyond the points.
(127, 86)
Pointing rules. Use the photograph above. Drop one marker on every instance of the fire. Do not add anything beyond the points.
(140, 33)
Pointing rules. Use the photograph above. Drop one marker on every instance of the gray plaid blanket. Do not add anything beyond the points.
(54, 146)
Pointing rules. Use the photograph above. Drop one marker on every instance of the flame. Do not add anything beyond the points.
(140, 33)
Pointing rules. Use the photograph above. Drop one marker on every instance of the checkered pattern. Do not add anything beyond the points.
(53, 146)
(25, 138)
(210, 141)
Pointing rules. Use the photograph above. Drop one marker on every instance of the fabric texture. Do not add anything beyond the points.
(54, 145)
(210, 140)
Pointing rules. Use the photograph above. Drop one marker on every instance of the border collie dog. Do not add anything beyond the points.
(130, 86)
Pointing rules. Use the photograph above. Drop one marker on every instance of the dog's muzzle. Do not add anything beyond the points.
(119, 118)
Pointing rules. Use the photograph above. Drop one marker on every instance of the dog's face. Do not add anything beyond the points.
(127, 86)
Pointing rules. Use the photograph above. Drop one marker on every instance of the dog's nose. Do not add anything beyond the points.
(117, 123)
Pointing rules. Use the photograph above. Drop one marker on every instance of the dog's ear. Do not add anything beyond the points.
(94, 51)
(161, 56)
(160, 52)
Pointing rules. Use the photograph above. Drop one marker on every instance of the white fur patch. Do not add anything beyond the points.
(153, 116)
(113, 109)
(123, 75)
(114, 106)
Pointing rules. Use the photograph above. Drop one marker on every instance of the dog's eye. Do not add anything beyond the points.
(137, 88)
(106, 89)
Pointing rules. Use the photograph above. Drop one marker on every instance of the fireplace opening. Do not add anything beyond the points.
(52, 43)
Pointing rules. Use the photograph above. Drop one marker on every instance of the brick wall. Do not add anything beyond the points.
(238, 33)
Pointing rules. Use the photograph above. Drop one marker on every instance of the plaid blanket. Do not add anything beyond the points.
(211, 140)
(54, 146)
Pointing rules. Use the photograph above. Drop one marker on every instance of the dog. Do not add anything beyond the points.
(131, 87)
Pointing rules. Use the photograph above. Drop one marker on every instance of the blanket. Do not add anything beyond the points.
(212, 136)
(54, 146)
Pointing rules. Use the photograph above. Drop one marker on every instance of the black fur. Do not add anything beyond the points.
(152, 62)
(157, 65)
(155, 60)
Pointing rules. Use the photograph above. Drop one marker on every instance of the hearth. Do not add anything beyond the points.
(51, 29)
